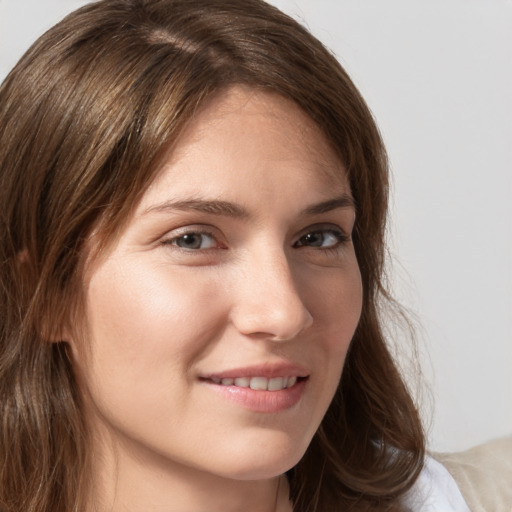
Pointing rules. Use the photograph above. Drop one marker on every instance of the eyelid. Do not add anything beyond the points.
(170, 238)
(334, 250)
(203, 230)
(335, 229)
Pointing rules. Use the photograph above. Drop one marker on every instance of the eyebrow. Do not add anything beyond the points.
(344, 201)
(229, 209)
(215, 207)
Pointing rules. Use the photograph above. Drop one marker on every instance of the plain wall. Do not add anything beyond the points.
(438, 77)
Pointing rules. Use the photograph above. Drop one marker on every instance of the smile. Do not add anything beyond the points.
(258, 383)
(260, 394)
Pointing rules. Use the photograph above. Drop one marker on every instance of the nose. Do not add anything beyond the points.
(266, 300)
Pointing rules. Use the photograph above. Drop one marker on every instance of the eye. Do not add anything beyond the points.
(322, 238)
(193, 241)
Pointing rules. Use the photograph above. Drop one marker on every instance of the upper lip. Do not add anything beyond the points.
(261, 370)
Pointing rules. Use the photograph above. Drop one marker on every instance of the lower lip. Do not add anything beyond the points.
(262, 401)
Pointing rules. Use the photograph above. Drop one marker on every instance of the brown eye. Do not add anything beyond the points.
(322, 238)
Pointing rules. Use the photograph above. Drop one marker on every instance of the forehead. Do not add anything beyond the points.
(243, 134)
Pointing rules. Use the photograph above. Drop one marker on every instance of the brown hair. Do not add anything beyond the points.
(85, 117)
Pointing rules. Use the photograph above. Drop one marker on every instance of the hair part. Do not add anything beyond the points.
(86, 117)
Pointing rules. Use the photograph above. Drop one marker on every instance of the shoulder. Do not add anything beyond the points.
(483, 475)
(435, 490)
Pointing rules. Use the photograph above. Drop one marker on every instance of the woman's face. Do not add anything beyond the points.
(236, 269)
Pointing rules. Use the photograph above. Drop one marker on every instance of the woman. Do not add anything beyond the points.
(194, 201)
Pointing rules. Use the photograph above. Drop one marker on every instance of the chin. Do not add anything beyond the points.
(265, 462)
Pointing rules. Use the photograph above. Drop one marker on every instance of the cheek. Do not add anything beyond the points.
(143, 317)
(146, 329)
(336, 304)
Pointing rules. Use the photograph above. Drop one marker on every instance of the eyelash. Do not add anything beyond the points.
(195, 232)
(339, 235)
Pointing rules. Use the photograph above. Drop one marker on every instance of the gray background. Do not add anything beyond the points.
(438, 77)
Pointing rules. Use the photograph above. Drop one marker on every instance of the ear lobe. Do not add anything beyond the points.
(51, 335)
(56, 323)
(52, 314)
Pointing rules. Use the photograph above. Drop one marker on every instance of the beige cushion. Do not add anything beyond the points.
(483, 474)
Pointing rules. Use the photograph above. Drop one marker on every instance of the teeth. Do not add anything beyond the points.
(242, 382)
(258, 383)
(276, 384)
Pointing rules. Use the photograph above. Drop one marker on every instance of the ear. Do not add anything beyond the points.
(54, 334)
(53, 325)
(55, 322)
(59, 337)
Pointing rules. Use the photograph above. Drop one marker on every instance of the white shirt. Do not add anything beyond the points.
(435, 490)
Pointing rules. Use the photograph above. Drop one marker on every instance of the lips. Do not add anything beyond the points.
(267, 388)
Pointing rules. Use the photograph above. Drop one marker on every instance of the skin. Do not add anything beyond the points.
(273, 285)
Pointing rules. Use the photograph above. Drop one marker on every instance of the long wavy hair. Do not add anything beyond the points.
(85, 119)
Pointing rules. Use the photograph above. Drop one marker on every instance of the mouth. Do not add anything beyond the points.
(258, 383)
(261, 389)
